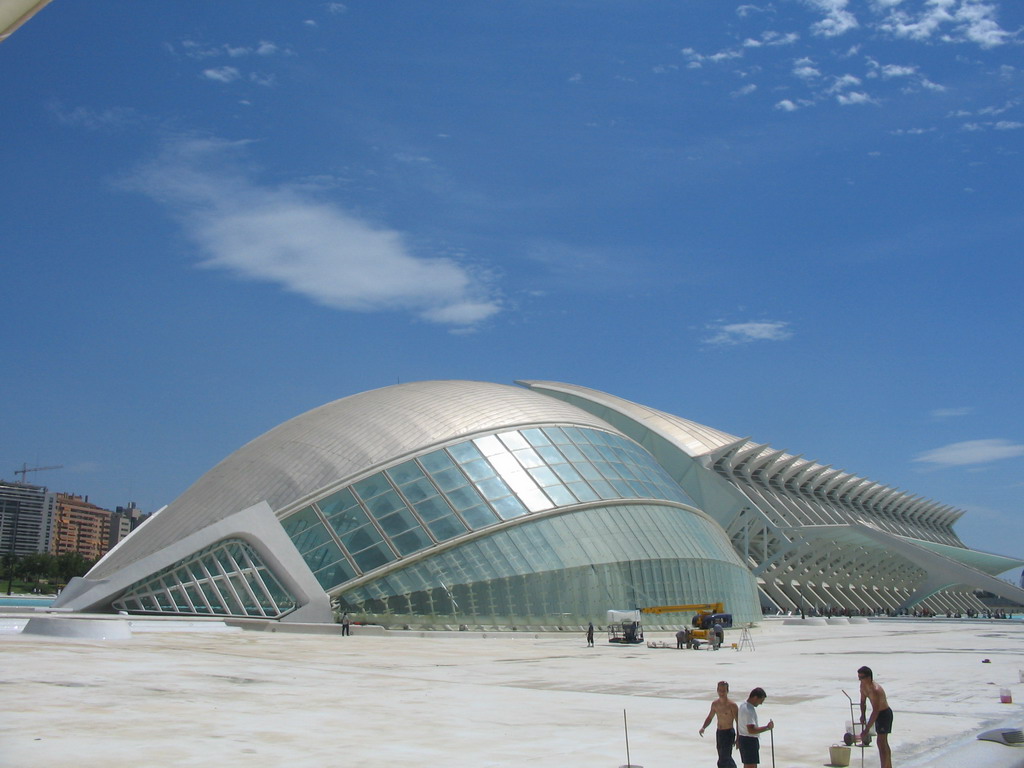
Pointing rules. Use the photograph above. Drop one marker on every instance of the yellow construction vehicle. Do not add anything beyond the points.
(706, 616)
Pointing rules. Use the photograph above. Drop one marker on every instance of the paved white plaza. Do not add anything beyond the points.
(245, 698)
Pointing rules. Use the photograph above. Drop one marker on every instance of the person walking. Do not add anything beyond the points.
(590, 635)
(749, 732)
(881, 714)
(725, 732)
(346, 625)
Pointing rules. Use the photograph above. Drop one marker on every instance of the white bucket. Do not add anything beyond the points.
(839, 755)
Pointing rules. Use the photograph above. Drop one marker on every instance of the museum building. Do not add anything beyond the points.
(474, 504)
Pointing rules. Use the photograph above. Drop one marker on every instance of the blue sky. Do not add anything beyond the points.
(798, 221)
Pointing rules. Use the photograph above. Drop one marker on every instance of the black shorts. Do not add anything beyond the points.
(883, 723)
(750, 749)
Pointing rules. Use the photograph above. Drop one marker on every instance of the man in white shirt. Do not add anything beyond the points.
(749, 732)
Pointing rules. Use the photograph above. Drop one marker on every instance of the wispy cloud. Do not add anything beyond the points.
(731, 334)
(951, 413)
(285, 236)
(971, 452)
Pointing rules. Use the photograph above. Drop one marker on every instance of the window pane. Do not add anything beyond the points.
(449, 479)
(544, 476)
(509, 507)
(536, 437)
(398, 522)
(372, 486)
(348, 520)
(436, 461)
(480, 516)
(304, 518)
(489, 445)
(361, 539)
(447, 528)
(479, 470)
(493, 488)
(374, 557)
(411, 541)
(335, 574)
(336, 502)
(529, 458)
(464, 452)
(419, 490)
(464, 498)
(405, 472)
(325, 555)
(384, 504)
(513, 440)
(560, 495)
(433, 508)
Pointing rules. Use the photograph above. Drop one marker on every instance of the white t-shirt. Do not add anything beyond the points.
(747, 716)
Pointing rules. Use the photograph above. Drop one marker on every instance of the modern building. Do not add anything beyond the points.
(124, 520)
(80, 526)
(26, 518)
(469, 503)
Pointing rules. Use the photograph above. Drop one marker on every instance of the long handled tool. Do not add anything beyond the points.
(625, 727)
(772, 734)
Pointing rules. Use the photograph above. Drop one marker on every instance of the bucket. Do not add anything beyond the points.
(1005, 697)
(839, 755)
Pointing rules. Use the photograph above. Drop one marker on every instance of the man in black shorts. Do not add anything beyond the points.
(748, 731)
(881, 715)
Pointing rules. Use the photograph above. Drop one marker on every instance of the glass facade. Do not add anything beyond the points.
(469, 486)
(568, 569)
(225, 579)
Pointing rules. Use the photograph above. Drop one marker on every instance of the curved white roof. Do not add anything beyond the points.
(695, 439)
(341, 440)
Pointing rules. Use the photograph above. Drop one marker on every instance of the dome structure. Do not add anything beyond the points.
(428, 502)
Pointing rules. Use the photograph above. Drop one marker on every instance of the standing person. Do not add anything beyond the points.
(590, 635)
(725, 734)
(881, 715)
(346, 624)
(748, 739)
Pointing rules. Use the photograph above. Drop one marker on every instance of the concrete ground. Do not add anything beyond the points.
(247, 698)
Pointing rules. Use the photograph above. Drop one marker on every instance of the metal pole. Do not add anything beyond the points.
(626, 729)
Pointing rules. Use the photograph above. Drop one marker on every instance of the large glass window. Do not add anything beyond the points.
(468, 486)
(226, 579)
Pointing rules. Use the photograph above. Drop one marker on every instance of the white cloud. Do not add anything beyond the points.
(771, 38)
(948, 413)
(854, 97)
(806, 69)
(837, 21)
(787, 106)
(966, 21)
(222, 74)
(971, 452)
(1008, 125)
(746, 90)
(744, 333)
(283, 235)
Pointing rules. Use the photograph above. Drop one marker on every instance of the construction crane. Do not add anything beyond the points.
(25, 469)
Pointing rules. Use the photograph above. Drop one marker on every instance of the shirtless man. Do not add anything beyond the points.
(725, 734)
(881, 715)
